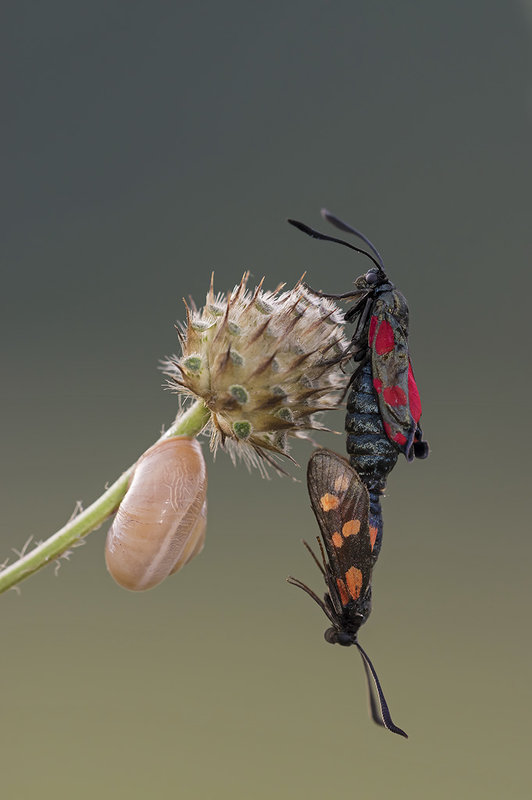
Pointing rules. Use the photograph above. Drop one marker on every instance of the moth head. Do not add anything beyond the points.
(335, 636)
(370, 280)
(373, 276)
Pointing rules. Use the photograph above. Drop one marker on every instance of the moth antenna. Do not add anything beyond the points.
(380, 713)
(317, 235)
(343, 226)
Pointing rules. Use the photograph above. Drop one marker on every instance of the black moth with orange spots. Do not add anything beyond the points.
(340, 502)
(383, 406)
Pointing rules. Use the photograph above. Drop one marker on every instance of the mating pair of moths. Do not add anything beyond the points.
(383, 412)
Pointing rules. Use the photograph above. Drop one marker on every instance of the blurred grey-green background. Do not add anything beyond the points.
(145, 144)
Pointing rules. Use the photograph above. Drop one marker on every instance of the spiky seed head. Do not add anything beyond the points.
(264, 363)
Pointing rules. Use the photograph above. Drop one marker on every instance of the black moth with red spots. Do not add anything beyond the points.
(383, 406)
(340, 503)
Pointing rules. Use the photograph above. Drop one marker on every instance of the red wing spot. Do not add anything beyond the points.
(373, 531)
(329, 502)
(398, 437)
(353, 578)
(385, 342)
(372, 329)
(351, 528)
(344, 597)
(337, 540)
(413, 395)
(395, 396)
(377, 384)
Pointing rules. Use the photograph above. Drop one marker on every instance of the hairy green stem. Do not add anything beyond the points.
(189, 423)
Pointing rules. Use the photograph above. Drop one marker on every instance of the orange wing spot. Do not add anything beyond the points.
(337, 539)
(353, 579)
(341, 483)
(329, 502)
(344, 597)
(373, 531)
(351, 528)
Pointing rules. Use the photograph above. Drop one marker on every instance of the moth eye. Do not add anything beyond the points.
(371, 277)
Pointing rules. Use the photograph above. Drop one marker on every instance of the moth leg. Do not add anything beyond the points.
(353, 376)
(359, 345)
(318, 600)
(344, 296)
(312, 553)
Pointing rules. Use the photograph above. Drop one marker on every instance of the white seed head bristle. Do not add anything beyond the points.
(264, 363)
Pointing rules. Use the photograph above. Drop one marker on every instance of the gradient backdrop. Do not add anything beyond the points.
(146, 144)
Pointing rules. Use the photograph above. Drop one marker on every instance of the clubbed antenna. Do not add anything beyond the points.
(343, 226)
(317, 235)
(380, 713)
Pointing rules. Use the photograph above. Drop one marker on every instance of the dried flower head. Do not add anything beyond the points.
(264, 363)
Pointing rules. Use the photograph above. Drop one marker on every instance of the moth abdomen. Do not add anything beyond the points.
(370, 451)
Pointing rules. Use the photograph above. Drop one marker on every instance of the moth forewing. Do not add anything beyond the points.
(340, 503)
